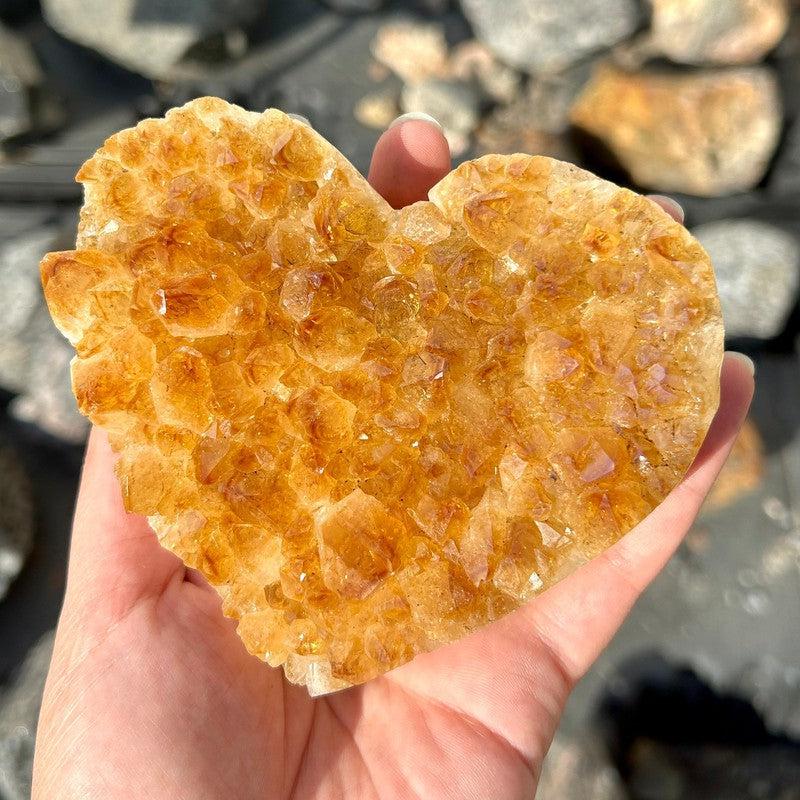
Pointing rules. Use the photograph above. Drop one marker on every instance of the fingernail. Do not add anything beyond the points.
(419, 116)
(669, 205)
(300, 118)
(746, 361)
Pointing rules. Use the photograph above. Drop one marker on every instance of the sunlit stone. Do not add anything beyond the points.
(374, 430)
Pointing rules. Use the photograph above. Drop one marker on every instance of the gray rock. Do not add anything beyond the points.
(543, 36)
(578, 768)
(19, 73)
(773, 688)
(48, 401)
(16, 55)
(34, 357)
(22, 217)
(16, 518)
(549, 98)
(21, 297)
(19, 714)
(785, 176)
(758, 273)
(147, 36)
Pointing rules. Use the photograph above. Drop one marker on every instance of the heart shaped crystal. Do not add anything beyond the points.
(375, 430)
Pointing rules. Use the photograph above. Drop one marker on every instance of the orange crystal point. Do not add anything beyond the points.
(374, 431)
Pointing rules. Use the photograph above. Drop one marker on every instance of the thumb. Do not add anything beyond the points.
(115, 559)
(409, 158)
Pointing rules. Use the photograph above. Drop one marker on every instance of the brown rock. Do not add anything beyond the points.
(706, 133)
(377, 109)
(374, 430)
(717, 31)
(412, 50)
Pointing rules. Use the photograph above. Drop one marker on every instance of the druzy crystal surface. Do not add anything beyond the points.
(375, 430)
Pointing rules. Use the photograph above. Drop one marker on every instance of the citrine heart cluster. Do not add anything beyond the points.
(374, 431)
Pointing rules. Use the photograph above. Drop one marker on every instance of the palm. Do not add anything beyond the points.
(194, 715)
(151, 693)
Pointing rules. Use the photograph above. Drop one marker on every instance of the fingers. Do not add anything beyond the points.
(409, 158)
(115, 558)
(672, 207)
(578, 616)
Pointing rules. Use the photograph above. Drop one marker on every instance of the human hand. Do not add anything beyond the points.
(151, 694)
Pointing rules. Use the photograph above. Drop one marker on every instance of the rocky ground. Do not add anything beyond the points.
(699, 694)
